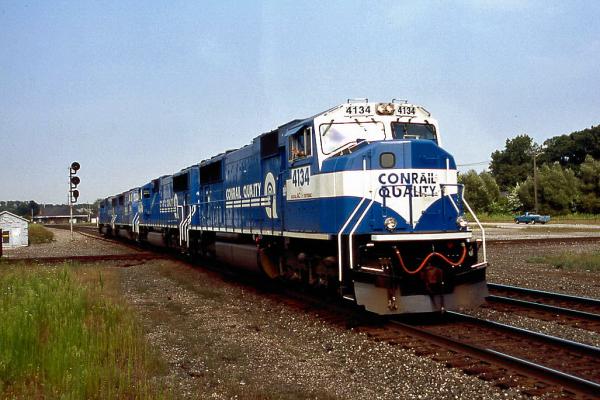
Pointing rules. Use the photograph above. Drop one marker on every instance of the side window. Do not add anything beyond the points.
(5, 237)
(301, 144)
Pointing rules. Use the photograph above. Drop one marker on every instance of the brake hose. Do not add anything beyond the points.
(435, 253)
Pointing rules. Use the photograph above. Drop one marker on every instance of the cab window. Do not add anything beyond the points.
(337, 136)
(300, 144)
(405, 130)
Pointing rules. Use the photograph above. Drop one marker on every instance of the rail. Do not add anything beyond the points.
(584, 348)
(559, 296)
(484, 351)
(526, 367)
(545, 307)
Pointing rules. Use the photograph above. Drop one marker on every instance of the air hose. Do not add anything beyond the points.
(430, 255)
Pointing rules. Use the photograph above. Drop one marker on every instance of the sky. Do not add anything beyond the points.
(137, 89)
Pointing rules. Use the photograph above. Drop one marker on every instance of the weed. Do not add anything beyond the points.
(570, 261)
(38, 234)
(60, 338)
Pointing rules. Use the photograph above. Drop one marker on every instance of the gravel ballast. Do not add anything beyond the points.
(64, 246)
(224, 340)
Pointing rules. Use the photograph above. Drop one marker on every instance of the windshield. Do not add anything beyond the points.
(405, 130)
(334, 136)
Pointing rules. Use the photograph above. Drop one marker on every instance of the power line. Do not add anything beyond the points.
(473, 164)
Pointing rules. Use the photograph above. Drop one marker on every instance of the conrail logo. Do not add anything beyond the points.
(249, 195)
(270, 190)
(405, 184)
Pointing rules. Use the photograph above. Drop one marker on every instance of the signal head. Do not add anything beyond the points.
(75, 195)
(75, 166)
(75, 180)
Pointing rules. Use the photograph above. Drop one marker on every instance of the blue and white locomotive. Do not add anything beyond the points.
(361, 199)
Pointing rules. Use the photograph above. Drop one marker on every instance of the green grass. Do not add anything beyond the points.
(570, 261)
(485, 217)
(61, 337)
(577, 219)
(38, 234)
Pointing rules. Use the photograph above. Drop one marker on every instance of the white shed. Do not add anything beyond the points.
(14, 230)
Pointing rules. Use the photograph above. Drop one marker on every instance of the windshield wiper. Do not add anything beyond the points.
(328, 128)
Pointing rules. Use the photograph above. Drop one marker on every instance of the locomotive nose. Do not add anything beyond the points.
(410, 154)
(394, 154)
(395, 186)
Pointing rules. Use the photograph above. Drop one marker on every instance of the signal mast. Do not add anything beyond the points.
(73, 192)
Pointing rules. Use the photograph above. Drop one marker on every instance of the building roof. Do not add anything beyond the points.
(51, 211)
(14, 215)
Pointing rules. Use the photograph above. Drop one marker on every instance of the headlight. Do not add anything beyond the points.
(461, 222)
(390, 223)
(385, 108)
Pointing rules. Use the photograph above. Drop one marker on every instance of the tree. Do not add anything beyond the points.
(491, 187)
(571, 150)
(481, 190)
(21, 208)
(558, 190)
(590, 186)
(513, 202)
(513, 164)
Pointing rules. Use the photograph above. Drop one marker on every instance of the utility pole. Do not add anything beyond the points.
(536, 150)
(535, 196)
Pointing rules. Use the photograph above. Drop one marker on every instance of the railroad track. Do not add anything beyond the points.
(91, 232)
(504, 355)
(542, 240)
(579, 312)
(541, 364)
(141, 256)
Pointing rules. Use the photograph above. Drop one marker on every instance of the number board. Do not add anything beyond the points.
(406, 110)
(358, 109)
(299, 186)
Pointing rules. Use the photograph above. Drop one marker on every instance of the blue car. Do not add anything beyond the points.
(532, 218)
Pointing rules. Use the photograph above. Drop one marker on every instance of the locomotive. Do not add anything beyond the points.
(360, 199)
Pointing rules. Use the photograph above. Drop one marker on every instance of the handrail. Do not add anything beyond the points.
(462, 197)
(443, 187)
(354, 230)
(480, 227)
(216, 215)
(339, 237)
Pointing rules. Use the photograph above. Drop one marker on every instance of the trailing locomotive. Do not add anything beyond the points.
(361, 199)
